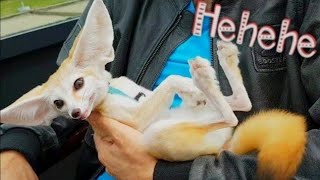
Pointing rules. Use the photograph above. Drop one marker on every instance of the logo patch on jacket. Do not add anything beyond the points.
(268, 60)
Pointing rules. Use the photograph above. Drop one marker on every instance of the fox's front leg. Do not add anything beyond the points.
(204, 78)
(160, 99)
(229, 61)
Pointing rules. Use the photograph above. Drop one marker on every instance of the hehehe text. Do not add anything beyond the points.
(266, 33)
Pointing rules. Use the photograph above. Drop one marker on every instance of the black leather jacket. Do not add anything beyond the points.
(146, 33)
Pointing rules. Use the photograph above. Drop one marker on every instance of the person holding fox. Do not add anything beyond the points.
(121, 147)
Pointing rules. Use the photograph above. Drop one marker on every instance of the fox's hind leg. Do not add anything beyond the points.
(161, 99)
(184, 140)
(204, 78)
(229, 61)
(192, 97)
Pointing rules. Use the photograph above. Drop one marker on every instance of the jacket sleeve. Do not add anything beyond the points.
(22, 140)
(227, 166)
(169, 170)
(40, 145)
(231, 166)
(310, 68)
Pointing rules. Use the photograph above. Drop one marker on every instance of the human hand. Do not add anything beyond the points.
(15, 167)
(120, 149)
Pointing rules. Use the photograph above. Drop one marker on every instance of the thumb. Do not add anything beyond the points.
(110, 128)
(100, 124)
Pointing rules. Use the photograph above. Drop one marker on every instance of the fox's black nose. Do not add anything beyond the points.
(76, 113)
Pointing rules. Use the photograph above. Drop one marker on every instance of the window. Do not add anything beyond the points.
(32, 24)
(21, 15)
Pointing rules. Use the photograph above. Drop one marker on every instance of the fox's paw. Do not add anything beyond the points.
(186, 90)
(183, 86)
(202, 73)
(228, 54)
(194, 99)
(199, 62)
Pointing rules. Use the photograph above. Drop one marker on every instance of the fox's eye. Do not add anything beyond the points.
(78, 83)
(59, 103)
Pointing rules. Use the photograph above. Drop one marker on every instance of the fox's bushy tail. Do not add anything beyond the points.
(278, 136)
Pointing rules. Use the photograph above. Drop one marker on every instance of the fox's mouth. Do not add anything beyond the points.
(85, 115)
(87, 112)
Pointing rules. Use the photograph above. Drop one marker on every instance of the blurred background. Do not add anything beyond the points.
(22, 15)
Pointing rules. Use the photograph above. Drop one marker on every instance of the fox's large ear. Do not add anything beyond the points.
(30, 112)
(94, 46)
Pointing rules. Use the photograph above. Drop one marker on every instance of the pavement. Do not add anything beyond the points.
(39, 18)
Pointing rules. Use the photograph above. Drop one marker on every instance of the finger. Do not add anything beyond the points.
(107, 139)
(100, 124)
(106, 127)
(106, 152)
(103, 149)
(96, 120)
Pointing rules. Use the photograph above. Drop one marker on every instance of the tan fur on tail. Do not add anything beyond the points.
(280, 139)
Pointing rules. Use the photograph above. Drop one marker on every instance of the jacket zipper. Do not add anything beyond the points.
(212, 52)
(211, 43)
(168, 57)
(147, 63)
(214, 56)
(214, 59)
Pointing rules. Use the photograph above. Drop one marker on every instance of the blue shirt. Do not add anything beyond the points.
(178, 61)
